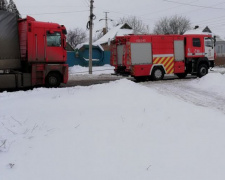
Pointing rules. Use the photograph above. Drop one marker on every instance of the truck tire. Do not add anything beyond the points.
(53, 79)
(157, 74)
(202, 70)
(181, 75)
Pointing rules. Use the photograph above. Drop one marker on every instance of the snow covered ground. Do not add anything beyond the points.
(167, 130)
(82, 73)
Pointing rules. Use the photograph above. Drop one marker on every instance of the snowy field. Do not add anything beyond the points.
(167, 130)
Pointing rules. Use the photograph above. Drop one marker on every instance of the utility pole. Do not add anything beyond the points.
(106, 22)
(90, 35)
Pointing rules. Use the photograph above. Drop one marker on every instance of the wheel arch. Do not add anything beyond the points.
(203, 61)
(53, 79)
(55, 72)
(157, 66)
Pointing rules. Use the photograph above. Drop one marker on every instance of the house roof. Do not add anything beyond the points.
(199, 30)
(119, 30)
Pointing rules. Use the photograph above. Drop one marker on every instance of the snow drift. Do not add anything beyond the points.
(120, 130)
(212, 82)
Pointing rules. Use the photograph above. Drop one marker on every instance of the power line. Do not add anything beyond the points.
(66, 12)
(166, 9)
(106, 22)
(86, 3)
(187, 4)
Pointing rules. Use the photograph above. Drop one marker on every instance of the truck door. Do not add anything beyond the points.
(209, 49)
(54, 47)
(120, 54)
(39, 45)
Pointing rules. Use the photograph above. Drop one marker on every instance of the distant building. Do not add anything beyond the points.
(69, 47)
(119, 30)
(220, 47)
(199, 30)
(220, 52)
(101, 48)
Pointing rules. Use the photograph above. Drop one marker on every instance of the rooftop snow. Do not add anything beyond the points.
(116, 31)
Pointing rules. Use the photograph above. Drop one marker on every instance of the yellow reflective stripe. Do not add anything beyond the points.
(169, 63)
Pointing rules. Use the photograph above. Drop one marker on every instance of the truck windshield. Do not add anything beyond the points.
(54, 39)
(208, 42)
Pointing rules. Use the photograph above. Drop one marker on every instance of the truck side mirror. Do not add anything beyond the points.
(214, 41)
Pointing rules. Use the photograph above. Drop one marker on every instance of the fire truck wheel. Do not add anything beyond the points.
(53, 79)
(181, 75)
(202, 70)
(157, 74)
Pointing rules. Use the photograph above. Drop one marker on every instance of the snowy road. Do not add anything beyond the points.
(181, 88)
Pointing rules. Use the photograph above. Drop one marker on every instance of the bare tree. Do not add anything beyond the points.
(3, 5)
(12, 8)
(137, 24)
(173, 25)
(76, 36)
(97, 36)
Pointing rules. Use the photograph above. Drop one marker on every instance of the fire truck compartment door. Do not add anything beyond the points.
(179, 50)
(120, 54)
(141, 53)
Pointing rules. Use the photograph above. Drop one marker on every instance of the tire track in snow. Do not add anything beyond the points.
(181, 90)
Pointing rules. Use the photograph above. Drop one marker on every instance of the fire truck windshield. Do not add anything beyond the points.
(209, 42)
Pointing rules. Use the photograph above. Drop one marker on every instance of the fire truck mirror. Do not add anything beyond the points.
(214, 40)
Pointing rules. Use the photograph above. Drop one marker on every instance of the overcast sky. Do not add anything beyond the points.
(75, 13)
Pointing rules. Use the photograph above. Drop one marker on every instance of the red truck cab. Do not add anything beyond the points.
(32, 53)
(43, 51)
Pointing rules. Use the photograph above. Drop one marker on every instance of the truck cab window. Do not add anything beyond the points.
(53, 39)
(196, 42)
(208, 42)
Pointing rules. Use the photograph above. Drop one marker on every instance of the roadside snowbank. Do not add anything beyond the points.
(218, 70)
(212, 82)
(120, 130)
(97, 70)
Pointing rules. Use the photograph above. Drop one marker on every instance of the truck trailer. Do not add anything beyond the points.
(152, 56)
(32, 53)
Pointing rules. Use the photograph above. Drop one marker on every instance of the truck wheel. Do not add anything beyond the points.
(202, 70)
(181, 75)
(157, 74)
(53, 80)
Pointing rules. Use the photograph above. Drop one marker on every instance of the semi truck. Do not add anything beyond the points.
(152, 56)
(32, 53)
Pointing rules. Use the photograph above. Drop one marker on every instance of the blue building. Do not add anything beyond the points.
(101, 48)
(81, 56)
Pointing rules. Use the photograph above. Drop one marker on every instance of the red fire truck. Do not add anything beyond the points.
(32, 53)
(153, 56)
